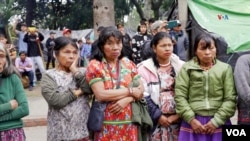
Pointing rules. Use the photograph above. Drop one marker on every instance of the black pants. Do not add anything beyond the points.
(50, 59)
(30, 75)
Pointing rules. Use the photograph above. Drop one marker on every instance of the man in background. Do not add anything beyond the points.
(35, 49)
(67, 33)
(126, 41)
(22, 46)
(86, 51)
(182, 42)
(50, 46)
(24, 66)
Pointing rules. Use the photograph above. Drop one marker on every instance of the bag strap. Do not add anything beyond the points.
(119, 75)
(118, 79)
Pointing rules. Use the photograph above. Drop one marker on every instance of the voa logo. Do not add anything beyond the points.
(222, 17)
(236, 132)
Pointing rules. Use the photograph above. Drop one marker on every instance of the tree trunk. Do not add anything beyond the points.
(30, 7)
(156, 4)
(104, 14)
(147, 9)
(183, 12)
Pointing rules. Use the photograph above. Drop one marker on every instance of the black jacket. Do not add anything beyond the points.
(50, 45)
(34, 44)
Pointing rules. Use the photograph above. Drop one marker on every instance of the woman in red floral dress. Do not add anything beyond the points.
(106, 66)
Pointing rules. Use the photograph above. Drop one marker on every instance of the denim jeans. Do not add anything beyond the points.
(30, 75)
(37, 60)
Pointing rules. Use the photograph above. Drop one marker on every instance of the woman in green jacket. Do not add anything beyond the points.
(13, 101)
(205, 93)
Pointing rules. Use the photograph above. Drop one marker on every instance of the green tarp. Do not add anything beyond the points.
(227, 18)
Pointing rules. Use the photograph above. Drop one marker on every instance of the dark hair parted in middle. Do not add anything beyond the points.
(206, 40)
(104, 36)
(155, 41)
(8, 67)
(61, 42)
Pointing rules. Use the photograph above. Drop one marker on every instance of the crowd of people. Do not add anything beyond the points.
(187, 97)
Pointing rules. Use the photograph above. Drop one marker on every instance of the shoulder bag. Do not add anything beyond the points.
(96, 114)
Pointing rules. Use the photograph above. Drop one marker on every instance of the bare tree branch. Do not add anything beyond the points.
(138, 8)
(156, 4)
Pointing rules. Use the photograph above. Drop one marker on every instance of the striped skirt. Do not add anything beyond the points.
(187, 134)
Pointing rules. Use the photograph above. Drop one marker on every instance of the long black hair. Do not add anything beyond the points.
(105, 34)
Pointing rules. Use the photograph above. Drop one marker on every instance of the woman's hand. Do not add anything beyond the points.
(173, 118)
(197, 126)
(163, 121)
(137, 92)
(13, 104)
(77, 92)
(73, 68)
(210, 128)
(118, 106)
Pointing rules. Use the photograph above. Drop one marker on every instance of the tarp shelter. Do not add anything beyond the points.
(76, 34)
(228, 21)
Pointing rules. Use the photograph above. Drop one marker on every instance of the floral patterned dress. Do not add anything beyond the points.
(68, 122)
(167, 106)
(116, 127)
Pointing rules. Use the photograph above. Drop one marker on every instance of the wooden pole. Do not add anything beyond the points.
(41, 52)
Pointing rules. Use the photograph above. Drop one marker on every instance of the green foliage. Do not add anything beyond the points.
(166, 4)
(7, 9)
(76, 14)
(133, 20)
(122, 8)
(11, 36)
(53, 14)
(165, 8)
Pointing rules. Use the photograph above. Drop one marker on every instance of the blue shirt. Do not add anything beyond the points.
(21, 44)
(86, 50)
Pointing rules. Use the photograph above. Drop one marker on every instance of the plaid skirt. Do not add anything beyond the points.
(16, 134)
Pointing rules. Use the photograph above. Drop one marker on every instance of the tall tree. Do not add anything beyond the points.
(103, 13)
(156, 4)
(78, 14)
(145, 7)
(29, 8)
(30, 11)
(138, 8)
(122, 8)
(7, 9)
(56, 14)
